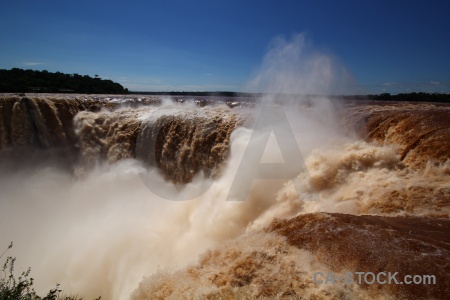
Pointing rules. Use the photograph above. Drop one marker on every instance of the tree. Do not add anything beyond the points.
(20, 81)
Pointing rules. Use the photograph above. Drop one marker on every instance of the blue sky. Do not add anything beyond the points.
(386, 46)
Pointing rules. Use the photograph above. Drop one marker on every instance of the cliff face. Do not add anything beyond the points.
(381, 202)
(420, 131)
(110, 130)
(283, 261)
(179, 141)
(407, 245)
(400, 177)
(37, 122)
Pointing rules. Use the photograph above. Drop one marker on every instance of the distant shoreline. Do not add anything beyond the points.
(410, 97)
(419, 97)
(21, 81)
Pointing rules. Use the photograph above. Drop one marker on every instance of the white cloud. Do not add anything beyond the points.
(136, 86)
(408, 87)
(156, 84)
(390, 83)
(32, 64)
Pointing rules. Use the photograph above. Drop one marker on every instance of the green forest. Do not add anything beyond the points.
(30, 81)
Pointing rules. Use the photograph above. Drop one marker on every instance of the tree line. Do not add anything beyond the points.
(414, 97)
(30, 81)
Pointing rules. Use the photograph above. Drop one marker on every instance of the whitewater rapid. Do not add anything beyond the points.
(84, 196)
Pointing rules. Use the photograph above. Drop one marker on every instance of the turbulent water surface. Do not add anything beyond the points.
(128, 196)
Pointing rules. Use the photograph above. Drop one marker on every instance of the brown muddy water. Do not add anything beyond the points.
(129, 196)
